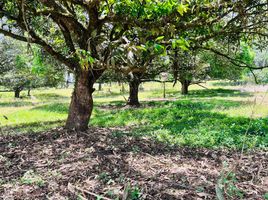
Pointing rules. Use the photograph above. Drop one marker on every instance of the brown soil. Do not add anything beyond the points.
(67, 165)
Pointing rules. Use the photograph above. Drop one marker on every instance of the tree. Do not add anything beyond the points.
(15, 71)
(83, 34)
(48, 71)
(140, 63)
(255, 57)
(221, 68)
(21, 70)
(188, 68)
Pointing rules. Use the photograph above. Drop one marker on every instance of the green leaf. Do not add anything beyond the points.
(159, 48)
(141, 48)
(174, 44)
(182, 8)
(91, 59)
(159, 38)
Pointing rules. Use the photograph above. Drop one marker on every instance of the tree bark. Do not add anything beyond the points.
(81, 103)
(100, 86)
(29, 92)
(184, 87)
(133, 99)
(123, 88)
(17, 93)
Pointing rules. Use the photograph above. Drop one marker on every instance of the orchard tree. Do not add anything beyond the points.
(109, 76)
(260, 59)
(83, 34)
(18, 77)
(140, 60)
(232, 62)
(188, 68)
(221, 68)
(143, 63)
(49, 72)
(15, 71)
(21, 70)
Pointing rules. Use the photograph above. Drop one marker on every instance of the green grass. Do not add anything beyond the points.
(218, 117)
(188, 123)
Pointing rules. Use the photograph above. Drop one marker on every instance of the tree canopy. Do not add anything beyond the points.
(84, 35)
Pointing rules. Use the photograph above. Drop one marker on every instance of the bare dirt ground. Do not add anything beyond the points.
(69, 165)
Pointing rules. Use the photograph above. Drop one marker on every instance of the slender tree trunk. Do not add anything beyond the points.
(17, 93)
(68, 78)
(81, 103)
(100, 88)
(184, 86)
(29, 92)
(123, 88)
(133, 99)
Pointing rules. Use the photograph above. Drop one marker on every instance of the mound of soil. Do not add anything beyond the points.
(89, 165)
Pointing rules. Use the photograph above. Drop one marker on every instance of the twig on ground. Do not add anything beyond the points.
(72, 189)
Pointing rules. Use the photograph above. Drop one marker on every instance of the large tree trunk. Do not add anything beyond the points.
(184, 86)
(133, 99)
(17, 93)
(81, 103)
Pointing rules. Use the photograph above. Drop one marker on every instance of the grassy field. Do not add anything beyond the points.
(222, 116)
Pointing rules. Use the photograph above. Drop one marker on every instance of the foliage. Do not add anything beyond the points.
(31, 178)
(132, 193)
(16, 71)
(21, 70)
(97, 27)
(221, 68)
(226, 186)
(188, 66)
(85, 35)
(49, 72)
(259, 58)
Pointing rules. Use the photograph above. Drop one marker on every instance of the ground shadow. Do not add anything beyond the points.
(187, 123)
(50, 96)
(30, 127)
(15, 104)
(218, 93)
(61, 108)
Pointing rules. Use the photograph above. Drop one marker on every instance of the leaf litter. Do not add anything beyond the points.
(96, 165)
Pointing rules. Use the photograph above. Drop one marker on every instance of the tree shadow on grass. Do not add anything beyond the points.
(186, 103)
(51, 97)
(61, 108)
(31, 127)
(188, 123)
(219, 93)
(205, 93)
(15, 104)
(195, 104)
